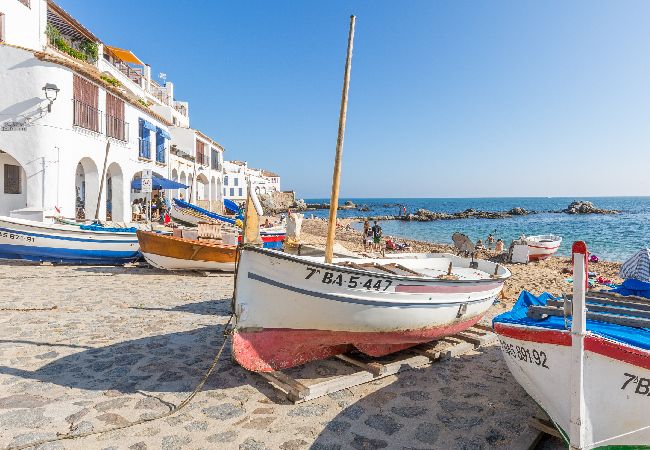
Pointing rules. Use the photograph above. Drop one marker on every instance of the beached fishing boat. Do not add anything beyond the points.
(542, 246)
(175, 253)
(290, 309)
(585, 360)
(39, 241)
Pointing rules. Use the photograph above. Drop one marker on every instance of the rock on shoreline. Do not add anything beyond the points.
(584, 207)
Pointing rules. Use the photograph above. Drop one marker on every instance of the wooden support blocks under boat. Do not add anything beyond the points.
(301, 384)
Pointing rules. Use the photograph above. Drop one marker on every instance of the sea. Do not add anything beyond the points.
(611, 237)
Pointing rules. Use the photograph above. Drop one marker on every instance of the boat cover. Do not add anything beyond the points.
(183, 204)
(638, 266)
(633, 287)
(637, 337)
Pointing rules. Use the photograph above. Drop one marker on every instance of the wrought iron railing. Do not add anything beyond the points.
(117, 128)
(86, 116)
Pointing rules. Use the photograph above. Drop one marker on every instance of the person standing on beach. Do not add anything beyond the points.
(490, 241)
(366, 233)
(376, 234)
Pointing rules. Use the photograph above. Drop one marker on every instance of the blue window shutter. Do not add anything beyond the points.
(160, 147)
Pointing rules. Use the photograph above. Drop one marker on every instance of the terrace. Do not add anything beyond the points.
(66, 35)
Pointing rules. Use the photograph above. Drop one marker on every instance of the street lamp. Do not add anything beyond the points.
(51, 91)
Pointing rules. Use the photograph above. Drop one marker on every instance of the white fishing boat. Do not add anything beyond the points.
(542, 246)
(39, 241)
(585, 360)
(293, 309)
(290, 309)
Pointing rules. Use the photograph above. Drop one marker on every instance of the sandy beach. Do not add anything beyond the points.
(104, 346)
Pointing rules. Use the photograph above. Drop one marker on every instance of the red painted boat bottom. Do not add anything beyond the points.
(277, 348)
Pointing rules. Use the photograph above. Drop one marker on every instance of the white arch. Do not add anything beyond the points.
(174, 178)
(202, 187)
(213, 189)
(18, 199)
(116, 194)
(183, 180)
(86, 188)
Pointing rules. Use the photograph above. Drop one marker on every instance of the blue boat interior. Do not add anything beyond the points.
(637, 337)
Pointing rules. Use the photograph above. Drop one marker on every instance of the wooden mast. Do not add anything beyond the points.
(101, 185)
(336, 178)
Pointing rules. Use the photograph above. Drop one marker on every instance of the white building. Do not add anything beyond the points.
(237, 174)
(64, 95)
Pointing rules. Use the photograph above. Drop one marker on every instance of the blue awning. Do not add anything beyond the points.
(148, 125)
(163, 133)
(159, 183)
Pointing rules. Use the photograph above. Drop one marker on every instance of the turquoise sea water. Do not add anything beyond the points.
(612, 237)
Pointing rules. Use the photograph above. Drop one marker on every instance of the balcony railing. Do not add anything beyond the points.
(181, 154)
(133, 74)
(159, 92)
(145, 149)
(181, 109)
(117, 128)
(86, 116)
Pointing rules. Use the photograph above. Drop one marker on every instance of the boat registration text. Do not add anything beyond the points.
(534, 356)
(350, 281)
(16, 237)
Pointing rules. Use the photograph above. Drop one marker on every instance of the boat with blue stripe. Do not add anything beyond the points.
(66, 244)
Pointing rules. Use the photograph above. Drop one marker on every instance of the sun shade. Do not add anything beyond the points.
(158, 183)
(125, 55)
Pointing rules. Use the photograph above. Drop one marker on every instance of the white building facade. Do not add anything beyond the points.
(237, 174)
(65, 97)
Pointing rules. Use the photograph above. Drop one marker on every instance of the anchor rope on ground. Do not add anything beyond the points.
(227, 332)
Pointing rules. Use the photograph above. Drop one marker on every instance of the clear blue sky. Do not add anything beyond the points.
(447, 99)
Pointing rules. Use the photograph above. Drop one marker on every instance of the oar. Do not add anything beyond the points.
(336, 178)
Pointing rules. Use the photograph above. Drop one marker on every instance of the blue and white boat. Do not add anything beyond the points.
(39, 241)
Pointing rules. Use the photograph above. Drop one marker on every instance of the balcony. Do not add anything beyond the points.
(181, 108)
(117, 128)
(181, 154)
(159, 92)
(145, 149)
(86, 116)
(79, 48)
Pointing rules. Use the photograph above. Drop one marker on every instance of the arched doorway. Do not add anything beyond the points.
(183, 180)
(174, 192)
(13, 184)
(115, 201)
(202, 187)
(86, 189)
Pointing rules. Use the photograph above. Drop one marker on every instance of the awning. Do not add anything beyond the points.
(125, 55)
(148, 125)
(158, 183)
(163, 133)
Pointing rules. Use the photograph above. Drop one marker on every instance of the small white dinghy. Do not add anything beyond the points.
(293, 309)
(542, 246)
(585, 361)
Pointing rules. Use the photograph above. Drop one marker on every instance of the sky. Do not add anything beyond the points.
(447, 98)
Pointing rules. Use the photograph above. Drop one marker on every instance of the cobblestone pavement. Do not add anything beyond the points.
(103, 346)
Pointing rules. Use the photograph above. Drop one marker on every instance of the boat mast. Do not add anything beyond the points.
(101, 184)
(336, 178)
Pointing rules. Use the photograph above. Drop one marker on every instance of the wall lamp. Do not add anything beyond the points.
(51, 92)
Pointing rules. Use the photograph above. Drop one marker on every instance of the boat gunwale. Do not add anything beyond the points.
(297, 259)
(185, 240)
(60, 227)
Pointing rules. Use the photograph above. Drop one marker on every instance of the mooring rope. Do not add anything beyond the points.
(226, 334)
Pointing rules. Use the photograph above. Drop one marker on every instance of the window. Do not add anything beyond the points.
(160, 146)
(232, 192)
(12, 179)
(236, 181)
(85, 97)
(145, 143)
(240, 192)
(200, 153)
(225, 181)
(115, 125)
(224, 191)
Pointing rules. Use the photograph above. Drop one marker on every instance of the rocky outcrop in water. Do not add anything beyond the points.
(279, 202)
(584, 207)
(519, 212)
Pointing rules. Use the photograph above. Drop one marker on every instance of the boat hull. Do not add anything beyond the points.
(291, 310)
(174, 253)
(65, 244)
(616, 404)
(541, 247)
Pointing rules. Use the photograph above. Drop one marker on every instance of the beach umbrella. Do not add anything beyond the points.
(638, 266)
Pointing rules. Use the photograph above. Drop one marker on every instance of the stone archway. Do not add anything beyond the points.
(86, 189)
(116, 203)
(13, 184)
